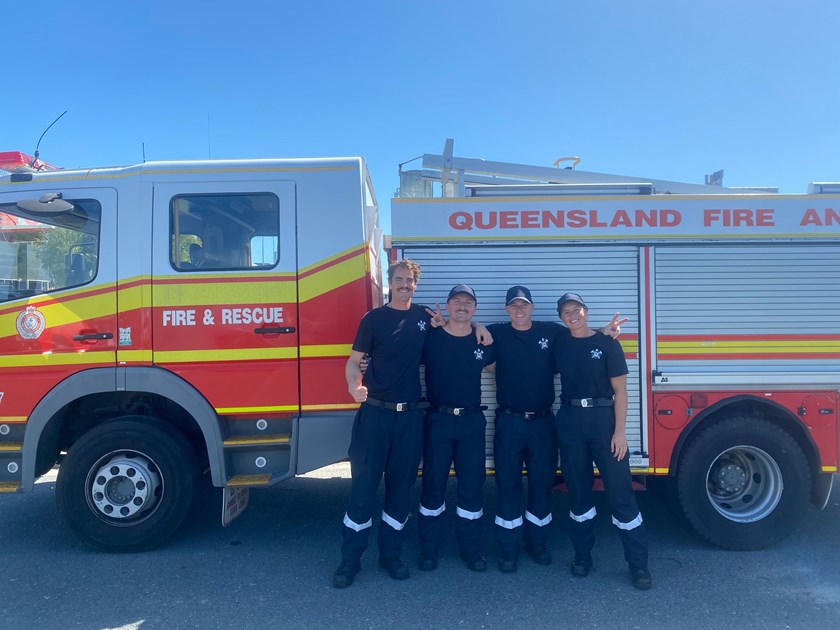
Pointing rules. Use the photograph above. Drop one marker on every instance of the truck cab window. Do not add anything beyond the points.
(40, 253)
(224, 231)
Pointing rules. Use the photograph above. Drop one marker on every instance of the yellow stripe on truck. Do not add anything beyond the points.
(248, 354)
(135, 297)
(134, 356)
(747, 346)
(339, 350)
(223, 293)
(47, 359)
(67, 311)
(269, 409)
(332, 277)
(223, 356)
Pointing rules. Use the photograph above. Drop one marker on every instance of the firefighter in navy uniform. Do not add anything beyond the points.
(454, 432)
(591, 427)
(524, 432)
(388, 428)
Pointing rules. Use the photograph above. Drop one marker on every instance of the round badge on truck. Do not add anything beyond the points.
(31, 323)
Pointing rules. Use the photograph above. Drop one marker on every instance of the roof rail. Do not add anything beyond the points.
(457, 176)
(824, 188)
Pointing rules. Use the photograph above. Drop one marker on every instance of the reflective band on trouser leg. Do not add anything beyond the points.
(393, 522)
(424, 511)
(588, 516)
(356, 527)
(470, 516)
(517, 522)
(629, 525)
(539, 522)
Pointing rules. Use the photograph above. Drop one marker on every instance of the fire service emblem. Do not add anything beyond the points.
(31, 323)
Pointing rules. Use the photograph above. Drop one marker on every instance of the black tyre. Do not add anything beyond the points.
(743, 483)
(127, 484)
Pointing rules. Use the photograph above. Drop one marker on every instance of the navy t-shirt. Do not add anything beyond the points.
(394, 340)
(453, 368)
(525, 364)
(586, 365)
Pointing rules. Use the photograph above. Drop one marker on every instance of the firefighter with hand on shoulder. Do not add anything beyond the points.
(524, 429)
(388, 428)
(454, 432)
(591, 427)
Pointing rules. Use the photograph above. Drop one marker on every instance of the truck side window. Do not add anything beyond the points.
(44, 253)
(224, 231)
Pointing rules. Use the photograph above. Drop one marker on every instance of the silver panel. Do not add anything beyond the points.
(606, 277)
(749, 292)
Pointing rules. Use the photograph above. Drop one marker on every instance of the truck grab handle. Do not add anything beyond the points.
(93, 336)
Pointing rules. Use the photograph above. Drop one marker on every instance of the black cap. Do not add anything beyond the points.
(570, 297)
(518, 293)
(461, 288)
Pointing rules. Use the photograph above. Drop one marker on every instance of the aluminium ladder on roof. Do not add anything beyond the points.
(473, 177)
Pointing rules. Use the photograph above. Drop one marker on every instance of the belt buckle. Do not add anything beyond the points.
(587, 402)
(401, 406)
(529, 415)
(457, 411)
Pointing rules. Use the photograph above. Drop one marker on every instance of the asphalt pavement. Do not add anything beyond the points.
(273, 567)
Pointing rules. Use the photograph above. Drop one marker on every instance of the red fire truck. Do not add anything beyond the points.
(733, 297)
(164, 319)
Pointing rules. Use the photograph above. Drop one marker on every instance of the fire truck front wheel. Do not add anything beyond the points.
(743, 483)
(127, 484)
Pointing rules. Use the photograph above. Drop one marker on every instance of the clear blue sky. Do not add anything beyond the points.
(660, 89)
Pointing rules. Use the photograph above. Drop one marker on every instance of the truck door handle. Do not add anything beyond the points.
(274, 331)
(93, 336)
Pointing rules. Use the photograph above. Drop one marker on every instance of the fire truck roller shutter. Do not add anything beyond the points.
(127, 484)
(743, 483)
(608, 277)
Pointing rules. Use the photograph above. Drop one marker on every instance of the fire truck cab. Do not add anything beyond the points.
(168, 318)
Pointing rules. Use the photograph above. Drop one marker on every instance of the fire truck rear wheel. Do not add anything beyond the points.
(127, 484)
(743, 483)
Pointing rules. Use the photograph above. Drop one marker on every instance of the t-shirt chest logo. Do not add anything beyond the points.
(596, 353)
(543, 343)
(479, 354)
(421, 325)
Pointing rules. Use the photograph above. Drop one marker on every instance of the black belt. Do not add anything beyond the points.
(589, 402)
(528, 415)
(458, 411)
(403, 406)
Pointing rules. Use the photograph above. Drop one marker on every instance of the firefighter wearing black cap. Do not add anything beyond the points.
(388, 428)
(591, 427)
(454, 432)
(524, 431)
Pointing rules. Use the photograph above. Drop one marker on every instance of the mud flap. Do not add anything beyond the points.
(822, 490)
(234, 502)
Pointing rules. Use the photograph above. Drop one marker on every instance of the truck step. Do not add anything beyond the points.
(257, 440)
(249, 480)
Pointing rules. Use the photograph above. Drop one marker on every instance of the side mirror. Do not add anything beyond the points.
(49, 203)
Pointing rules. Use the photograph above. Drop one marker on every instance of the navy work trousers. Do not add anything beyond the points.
(530, 442)
(449, 439)
(385, 442)
(584, 435)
